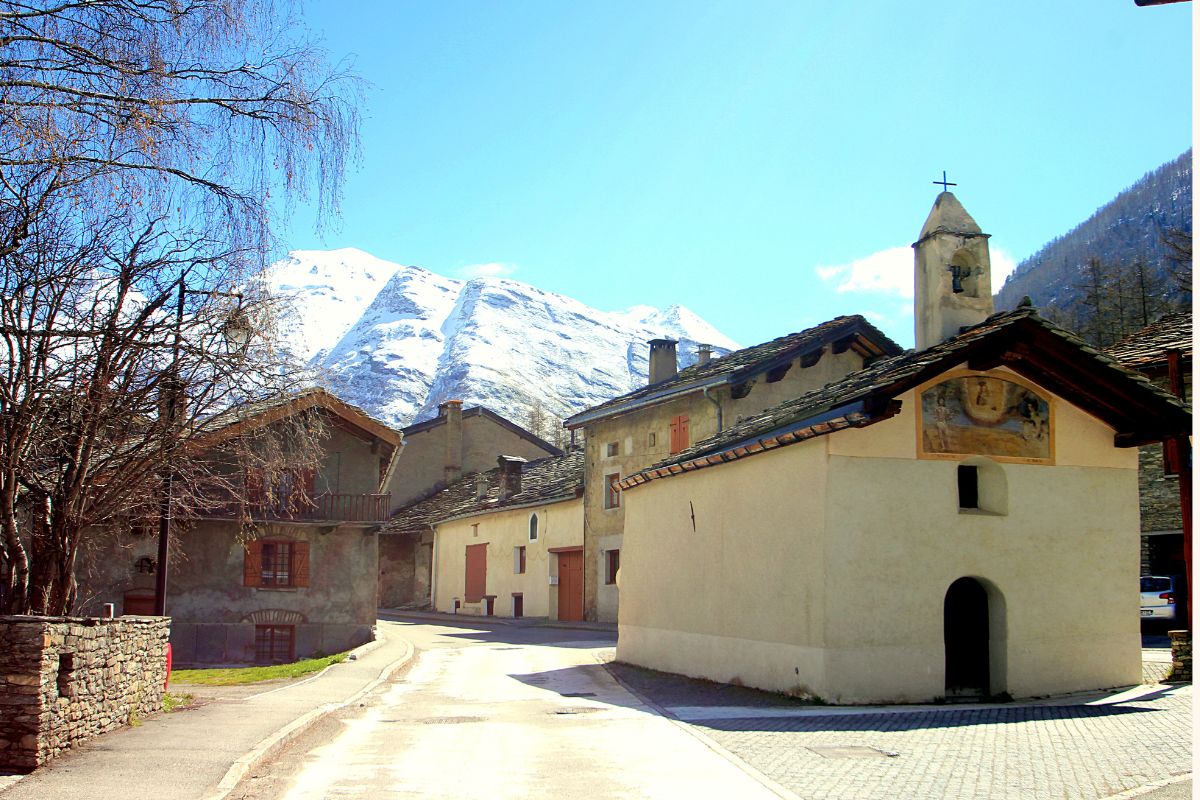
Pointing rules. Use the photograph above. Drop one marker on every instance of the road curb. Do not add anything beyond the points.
(773, 786)
(271, 744)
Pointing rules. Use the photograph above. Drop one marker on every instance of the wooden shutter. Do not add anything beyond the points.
(476, 578)
(252, 565)
(255, 490)
(680, 433)
(300, 564)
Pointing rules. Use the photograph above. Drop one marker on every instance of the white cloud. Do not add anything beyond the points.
(889, 271)
(491, 270)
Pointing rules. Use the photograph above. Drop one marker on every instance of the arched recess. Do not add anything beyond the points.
(975, 636)
(964, 272)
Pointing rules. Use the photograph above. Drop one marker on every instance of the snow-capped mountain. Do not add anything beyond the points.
(399, 340)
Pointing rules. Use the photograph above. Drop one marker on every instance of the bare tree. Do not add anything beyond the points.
(140, 141)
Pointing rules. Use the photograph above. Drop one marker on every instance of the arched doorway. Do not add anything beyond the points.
(966, 632)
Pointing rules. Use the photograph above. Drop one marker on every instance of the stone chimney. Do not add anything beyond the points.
(481, 485)
(662, 360)
(510, 475)
(703, 354)
(451, 411)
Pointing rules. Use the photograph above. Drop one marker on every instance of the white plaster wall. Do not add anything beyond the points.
(559, 525)
(739, 597)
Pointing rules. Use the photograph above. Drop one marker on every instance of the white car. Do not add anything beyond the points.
(1158, 598)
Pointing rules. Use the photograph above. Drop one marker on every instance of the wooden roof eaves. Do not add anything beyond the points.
(303, 402)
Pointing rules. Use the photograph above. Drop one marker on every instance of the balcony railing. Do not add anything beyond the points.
(327, 507)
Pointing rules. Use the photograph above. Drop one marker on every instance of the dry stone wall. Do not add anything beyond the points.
(65, 680)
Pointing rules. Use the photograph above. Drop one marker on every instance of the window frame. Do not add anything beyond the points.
(287, 634)
(533, 527)
(519, 560)
(612, 565)
(612, 493)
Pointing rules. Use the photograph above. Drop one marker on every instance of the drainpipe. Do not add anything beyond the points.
(433, 570)
(716, 403)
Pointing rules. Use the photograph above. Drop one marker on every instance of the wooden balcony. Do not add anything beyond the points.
(327, 507)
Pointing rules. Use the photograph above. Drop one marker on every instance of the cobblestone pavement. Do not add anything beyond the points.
(1066, 748)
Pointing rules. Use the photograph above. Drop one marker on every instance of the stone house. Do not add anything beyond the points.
(954, 521)
(507, 541)
(1162, 352)
(436, 453)
(279, 578)
(680, 407)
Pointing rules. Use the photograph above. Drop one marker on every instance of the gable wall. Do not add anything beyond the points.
(349, 466)
(857, 536)
(559, 525)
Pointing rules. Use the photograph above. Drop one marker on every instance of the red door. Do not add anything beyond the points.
(570, 586)
(476, 582)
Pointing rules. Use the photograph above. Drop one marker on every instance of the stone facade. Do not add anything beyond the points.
(65, 680)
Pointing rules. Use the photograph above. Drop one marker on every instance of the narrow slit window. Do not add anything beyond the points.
(968, 487)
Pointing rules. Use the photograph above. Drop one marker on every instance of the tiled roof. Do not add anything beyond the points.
(546, 480)
(741, 364)
(864, 397)
(1147, 349)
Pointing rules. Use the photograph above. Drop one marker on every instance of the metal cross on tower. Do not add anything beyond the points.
(945, 183)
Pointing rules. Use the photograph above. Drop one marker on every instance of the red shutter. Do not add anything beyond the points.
(675, 434)
(685, 438)
(252, 565)
(255, 493)
(476, 580)
(300, 564)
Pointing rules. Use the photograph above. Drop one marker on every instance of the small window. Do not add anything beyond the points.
(968, 487)
(274, 644)
(612, 563)
(652, 439)
(144, 565)
(611, 449)
(533, 528)
(612, 492)
(519, 560)
(275, 564)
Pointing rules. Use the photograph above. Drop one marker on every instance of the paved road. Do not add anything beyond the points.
(507, 713)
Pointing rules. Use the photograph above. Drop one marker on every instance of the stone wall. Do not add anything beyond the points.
(65, 680)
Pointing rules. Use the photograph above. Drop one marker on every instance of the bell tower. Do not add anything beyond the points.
(953, 273)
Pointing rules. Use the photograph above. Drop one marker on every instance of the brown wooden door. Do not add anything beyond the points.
(476, 579)
(570, 586)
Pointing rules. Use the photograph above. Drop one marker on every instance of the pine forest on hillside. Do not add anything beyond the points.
(1122, 268)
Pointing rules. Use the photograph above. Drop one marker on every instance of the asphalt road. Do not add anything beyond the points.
(502, 713)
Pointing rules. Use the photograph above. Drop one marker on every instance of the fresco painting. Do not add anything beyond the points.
(987, 416)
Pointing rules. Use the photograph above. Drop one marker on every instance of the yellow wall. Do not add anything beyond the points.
(822, 567)
(559, 525)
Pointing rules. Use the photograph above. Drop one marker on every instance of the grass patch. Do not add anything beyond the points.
(240, 675)
(174, 700)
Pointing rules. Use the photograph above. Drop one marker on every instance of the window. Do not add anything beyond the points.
(144, 565)
(274, 644)
(679, 433)
(518, 560)
(968, 487)
(276, 564)
(652, 439)
(611, 449)
(533, 527)
(612, 563)
(612, 492)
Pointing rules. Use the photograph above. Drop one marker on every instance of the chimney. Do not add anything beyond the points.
(451, 411)
(703, 354)
(510, 475)
(481, 485)
(662, 360)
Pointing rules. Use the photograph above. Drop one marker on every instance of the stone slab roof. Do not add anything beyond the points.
(1146, 350)
(850, 331)
(1021, 340)
(546, 480)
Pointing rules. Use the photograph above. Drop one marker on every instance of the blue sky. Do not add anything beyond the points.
(765, 164)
